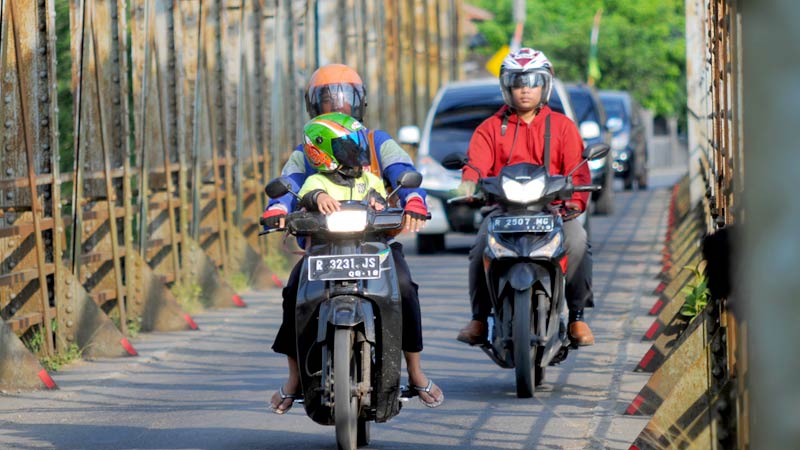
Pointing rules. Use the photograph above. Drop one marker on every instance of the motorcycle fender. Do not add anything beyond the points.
(348, 311)
(521, 276)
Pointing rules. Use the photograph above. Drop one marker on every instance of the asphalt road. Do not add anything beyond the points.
(208, 389)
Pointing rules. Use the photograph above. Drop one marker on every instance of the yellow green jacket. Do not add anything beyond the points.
(360, 188)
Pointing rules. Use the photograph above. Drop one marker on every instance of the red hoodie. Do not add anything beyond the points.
(489, 151)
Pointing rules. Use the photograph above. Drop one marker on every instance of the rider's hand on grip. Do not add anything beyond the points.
(569, 210)
(467, 189)
(416, 213)
(327, 204)
(274, 217)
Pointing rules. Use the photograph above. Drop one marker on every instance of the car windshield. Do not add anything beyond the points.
(452, 131)
(461, 111)
(583, 106)
(615, 108)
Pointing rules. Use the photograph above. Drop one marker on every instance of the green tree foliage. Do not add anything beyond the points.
(641, 45)
(64, 85)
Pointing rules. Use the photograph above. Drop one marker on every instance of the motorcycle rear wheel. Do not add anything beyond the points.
(345, 407)
(521, 334)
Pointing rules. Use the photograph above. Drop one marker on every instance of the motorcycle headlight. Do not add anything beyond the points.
(346, 221)
(549, 249)
(500, 250)
(523, 192)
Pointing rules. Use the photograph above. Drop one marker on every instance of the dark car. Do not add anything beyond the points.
(459, 107)
(629, 141)
(591, 119)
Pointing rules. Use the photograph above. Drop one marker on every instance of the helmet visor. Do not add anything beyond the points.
(350, 150)
(516, 80)
(345, 98)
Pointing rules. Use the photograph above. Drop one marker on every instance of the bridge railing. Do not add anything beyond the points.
(697, 396)
(180, 111)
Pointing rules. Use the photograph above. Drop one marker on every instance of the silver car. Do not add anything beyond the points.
(459, 107)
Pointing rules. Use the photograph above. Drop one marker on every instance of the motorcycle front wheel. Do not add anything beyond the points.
(521, 334)
(345, 408)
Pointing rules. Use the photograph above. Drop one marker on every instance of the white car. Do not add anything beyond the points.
(459, 107)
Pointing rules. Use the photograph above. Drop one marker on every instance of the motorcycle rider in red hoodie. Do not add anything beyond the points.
(517, 134)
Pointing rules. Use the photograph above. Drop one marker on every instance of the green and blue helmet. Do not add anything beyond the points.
(335, 142)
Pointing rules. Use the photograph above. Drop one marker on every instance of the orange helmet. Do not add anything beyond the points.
(336, 87)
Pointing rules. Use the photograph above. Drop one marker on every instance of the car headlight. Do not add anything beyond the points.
(620, 141)
(549, 249)
(435, 177)
(523, 192)
(597, 164)
(346, 221)
(500, 250)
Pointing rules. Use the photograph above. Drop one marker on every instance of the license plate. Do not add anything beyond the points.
(524, 224)
(344, 267)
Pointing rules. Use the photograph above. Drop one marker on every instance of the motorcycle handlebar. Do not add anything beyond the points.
(273, 230)
(588, 188)
(463, 198)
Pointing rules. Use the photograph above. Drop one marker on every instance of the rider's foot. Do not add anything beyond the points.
(429, 393)
(283, 399)
(580, 333)
(474, 333)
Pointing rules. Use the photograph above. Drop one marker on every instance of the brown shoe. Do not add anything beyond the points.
(474, 333)
(581, 334)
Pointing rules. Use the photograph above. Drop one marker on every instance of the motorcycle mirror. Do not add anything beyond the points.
(409, 179)
(278, 187)
(592, 152)
(596, 151)
(454, 161)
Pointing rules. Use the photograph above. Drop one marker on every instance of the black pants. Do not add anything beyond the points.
(409, 297)
(579, 270)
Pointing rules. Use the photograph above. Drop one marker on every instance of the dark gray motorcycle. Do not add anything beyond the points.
(526, 263)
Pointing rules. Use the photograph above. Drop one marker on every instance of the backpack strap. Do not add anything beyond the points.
(374, 164)
(547, 145)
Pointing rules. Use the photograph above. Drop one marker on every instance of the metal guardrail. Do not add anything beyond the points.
(172, 152)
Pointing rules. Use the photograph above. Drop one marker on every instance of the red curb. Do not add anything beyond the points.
(128, 347)
(277, 281)
(634, 406)
(47, 380)
(647, 358)
(656, 308)
(652, 330)
(238, 301)
(190, 321)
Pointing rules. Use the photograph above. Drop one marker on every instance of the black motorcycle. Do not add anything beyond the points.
(526, 265)
(348, 316)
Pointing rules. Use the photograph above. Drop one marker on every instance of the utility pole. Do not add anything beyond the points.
(593, 70)
(518, 15)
